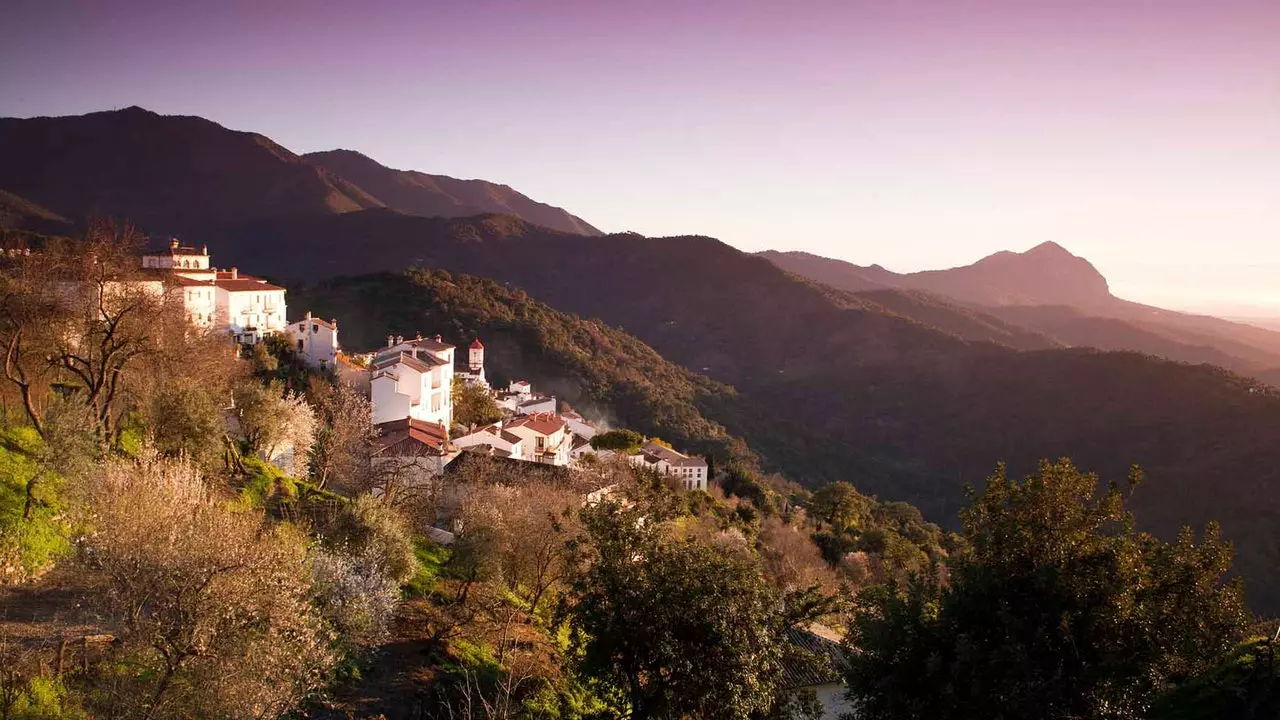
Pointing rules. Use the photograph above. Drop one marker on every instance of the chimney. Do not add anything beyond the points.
(438, 338)
(419, 337)
(173, 243)
(235, 273)
(334, 322)
(204, 249)
(391, 340)
(307, 317)
(399, 339)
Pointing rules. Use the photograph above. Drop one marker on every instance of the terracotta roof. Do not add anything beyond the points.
(429, 344)
(579, 441)
(543, 423)
(810, 659)
(477, 345)
(410, 437)
(245, 285)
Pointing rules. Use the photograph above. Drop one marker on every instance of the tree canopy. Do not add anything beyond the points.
(1059, 609)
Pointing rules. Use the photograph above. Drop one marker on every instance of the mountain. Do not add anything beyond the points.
(163, 172)
(178, 174)
(1044, 275)
(20, 213)
(417, 193)
(1050, 292)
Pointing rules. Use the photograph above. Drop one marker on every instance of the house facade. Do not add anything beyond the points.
(547, 438)
(413, 379)
(690, 471)
(248, 307)
(315, 340)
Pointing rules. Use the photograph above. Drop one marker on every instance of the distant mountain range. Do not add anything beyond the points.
(177, 174)
(1062, 297)
(909, 388)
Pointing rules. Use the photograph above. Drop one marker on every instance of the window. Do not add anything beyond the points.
(299, 344)
(315, 329)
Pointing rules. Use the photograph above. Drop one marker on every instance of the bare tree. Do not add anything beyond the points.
(81, 315)
(214, 602)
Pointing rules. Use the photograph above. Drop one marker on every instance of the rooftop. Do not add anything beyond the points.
(543, 423)
(410, 437)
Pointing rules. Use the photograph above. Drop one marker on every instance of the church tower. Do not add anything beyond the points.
(476, 359)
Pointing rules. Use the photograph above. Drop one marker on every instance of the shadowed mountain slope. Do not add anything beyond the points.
(163, 172)
(417, 193)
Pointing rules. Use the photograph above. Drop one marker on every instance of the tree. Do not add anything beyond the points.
(473, 406)
(80, 315)
(344, 441)
(213, 604)
(1060, 609)
(187, 419)
(272, 421)
(651, 616)
(622, 441)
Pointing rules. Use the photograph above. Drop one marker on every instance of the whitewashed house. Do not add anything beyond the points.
(538, 404)
(413, 379)
(691, 471)
(579, 425)
(494, 440)
(315, 340)
(546, 437)
(248, 307)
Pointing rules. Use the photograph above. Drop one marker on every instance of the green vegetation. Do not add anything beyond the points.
(473, 407)
(1058, 609)
(623, 441)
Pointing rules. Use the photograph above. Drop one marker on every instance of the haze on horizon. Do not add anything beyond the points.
(1144, 136)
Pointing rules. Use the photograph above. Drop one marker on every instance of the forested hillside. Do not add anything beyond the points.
(601, 371)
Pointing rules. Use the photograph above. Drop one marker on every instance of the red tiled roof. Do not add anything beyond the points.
(410, 436)
(477, 345)
(543, 423)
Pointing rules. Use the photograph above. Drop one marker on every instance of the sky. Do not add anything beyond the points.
(1143, 135)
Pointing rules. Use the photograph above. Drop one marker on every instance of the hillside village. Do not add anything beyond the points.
(410, 381)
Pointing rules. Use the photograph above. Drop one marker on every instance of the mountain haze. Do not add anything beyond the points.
(1050, 292)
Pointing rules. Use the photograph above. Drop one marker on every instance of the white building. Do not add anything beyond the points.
(474, 374)
(692, 471)
(413, 379)
(499, 442)
(537, 404)
(315, 340)
(579, 425)
(178, 257)
(546, 437)
(248, 307)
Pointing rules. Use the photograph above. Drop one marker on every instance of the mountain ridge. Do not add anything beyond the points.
(418, 193)
(176, 174)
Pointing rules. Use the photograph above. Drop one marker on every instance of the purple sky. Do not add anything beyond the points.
(1144, 136)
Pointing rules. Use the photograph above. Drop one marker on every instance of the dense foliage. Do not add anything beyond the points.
(1059, 609)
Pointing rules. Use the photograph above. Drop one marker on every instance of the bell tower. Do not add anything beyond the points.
(475, 359)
